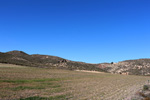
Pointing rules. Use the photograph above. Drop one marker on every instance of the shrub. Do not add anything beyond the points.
(145, 87)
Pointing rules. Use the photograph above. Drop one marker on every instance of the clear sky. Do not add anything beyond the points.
(92, 31)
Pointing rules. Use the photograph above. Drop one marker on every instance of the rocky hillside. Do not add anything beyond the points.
(44, 61)
(132, 67)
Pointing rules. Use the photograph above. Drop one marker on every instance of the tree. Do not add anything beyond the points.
(112, 62)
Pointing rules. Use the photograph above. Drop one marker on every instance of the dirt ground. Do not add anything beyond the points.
(52, 84)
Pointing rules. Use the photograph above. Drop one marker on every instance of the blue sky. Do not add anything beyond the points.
(92, 31)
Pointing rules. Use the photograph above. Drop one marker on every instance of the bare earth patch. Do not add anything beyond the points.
(89, 71)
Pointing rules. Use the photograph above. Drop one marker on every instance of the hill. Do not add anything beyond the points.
(132, 67)
(127, 67)
(44, 61)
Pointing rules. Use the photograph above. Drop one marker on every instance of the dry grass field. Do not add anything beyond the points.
(29, 83)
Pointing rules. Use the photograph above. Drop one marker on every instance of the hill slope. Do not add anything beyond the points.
(44, 61)
(135, 67)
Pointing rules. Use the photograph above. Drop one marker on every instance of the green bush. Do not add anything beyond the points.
(145, 87)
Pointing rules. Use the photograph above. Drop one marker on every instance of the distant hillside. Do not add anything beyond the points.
(44, 61)
(132, 67)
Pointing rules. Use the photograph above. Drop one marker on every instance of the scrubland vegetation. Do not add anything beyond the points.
(30, 83)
